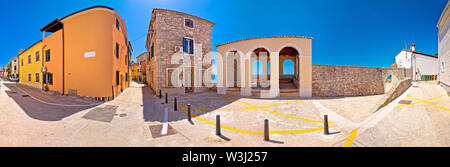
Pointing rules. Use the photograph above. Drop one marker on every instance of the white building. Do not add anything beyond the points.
(444, 48)
(421, 63)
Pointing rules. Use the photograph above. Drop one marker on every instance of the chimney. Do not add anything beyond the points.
(413, 47)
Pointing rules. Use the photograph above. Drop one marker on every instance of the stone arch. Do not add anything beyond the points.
(233, 67)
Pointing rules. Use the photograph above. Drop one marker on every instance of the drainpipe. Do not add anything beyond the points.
(63, 59)
(43, 63)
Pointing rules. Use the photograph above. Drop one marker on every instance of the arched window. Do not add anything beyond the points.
(257, 68)
(288, 67)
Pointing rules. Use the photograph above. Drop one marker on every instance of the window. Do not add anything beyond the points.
(151, 52)
(21, 62)
(126, 77)
(47, 55)
(15, 68)
(29, 77)
(37, 57)
(117, 24)
(188, 23)
(29, 59)
(188, 45)
(47, 78)
(36, 75)
(117, 50)
(117, 78)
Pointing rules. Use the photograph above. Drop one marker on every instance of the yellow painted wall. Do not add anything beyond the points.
(32, 67)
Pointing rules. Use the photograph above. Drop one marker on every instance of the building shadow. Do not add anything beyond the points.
(40, 110)
(153, 106)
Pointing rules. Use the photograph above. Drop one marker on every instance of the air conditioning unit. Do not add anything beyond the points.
(178, 49)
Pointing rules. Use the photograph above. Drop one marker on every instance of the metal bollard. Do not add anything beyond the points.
(175, 104)
(167, 100)
(266, 130)
(160, 94)
(189, 112)
(218, 125)
(325, 125)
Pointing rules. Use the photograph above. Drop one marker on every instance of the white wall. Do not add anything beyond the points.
(403, 59)
(425, 65)
(444, 54)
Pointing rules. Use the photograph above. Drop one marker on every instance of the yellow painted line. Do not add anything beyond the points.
(419, 102)
(48, 97)
(429, 103)
(350, 139)
(254, 132)
(234, 109)
(284, 115)
(283, 103)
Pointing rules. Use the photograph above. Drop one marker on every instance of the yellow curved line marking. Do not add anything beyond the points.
(429, 103)
(284, 115)
(225, 109)
(350, 139)
(419, 102)
(254, 132)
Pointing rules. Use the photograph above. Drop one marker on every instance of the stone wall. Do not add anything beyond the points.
(395, 92)
(333, 81)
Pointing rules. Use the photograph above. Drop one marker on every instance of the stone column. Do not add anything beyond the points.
(305, 75)
(274, 74)
(221, 74)
(246, 90)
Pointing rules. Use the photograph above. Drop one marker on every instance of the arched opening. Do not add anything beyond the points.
(260, 68)
(289, 68)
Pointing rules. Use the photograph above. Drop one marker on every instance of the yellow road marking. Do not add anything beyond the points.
(419, 102)
(233, 109)
(284, 115)
(429, 103)
(350, 139)
(254, 132)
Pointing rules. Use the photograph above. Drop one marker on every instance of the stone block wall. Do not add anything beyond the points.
(333, 81)
(169, 32)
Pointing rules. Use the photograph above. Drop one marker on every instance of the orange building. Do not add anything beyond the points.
(87, 54)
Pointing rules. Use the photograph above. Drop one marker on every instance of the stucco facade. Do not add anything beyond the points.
(168, 32)
(420, 63)
(15, 67)
(30, 66)
(444, 47)
(87, 54)
(279, 49)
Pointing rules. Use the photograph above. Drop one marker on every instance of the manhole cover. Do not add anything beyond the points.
(25, 96)
(404, 102)
(123, 115)
(156, 130)
(13, 92)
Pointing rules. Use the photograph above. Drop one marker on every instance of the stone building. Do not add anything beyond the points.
(444, 47)
(174, 35)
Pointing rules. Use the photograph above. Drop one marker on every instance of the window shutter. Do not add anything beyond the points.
(191, 46)
(44, 79)
(184, 45)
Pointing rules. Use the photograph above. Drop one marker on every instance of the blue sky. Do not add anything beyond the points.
(345, 32)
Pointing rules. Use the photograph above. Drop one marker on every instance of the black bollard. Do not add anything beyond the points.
(218, 125)
(266, 130)
(325, 125)
(175, 104)
(167, 100)
(160, 94)
(189, 112)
